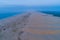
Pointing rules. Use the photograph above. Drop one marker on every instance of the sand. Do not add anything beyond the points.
(30, 26)
(11, 28)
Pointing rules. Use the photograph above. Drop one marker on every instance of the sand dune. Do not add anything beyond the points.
(30, 26)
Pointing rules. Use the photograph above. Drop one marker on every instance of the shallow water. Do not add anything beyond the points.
(5, 15)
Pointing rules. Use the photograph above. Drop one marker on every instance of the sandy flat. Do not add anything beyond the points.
(30, 26)
(42, 27)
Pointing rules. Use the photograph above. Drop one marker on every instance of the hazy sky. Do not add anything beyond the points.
(30, 2)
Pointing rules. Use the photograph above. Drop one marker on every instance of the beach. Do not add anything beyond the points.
(30, 26)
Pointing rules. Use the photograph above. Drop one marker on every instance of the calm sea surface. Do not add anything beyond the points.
(10, 11)
(14, 10)
(5, 15)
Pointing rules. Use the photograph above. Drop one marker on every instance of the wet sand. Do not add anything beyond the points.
(31, 26)
(11, 28)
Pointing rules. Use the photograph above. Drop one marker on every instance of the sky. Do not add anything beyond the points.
(30, 2)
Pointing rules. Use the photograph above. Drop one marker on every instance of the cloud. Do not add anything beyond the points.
(29, 2)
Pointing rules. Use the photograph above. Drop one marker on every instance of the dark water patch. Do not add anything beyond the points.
(54, 13)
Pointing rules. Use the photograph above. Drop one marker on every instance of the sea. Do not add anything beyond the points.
(54, 13)
(51, 10)
(9, 11)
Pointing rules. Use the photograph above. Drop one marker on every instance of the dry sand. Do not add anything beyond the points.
(31, 26)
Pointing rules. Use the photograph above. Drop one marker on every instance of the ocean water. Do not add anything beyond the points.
(54, 13)
(12, 10)
(5, 15)
(9, 11)
(52, 10)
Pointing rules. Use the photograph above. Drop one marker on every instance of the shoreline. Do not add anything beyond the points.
(29, 26)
